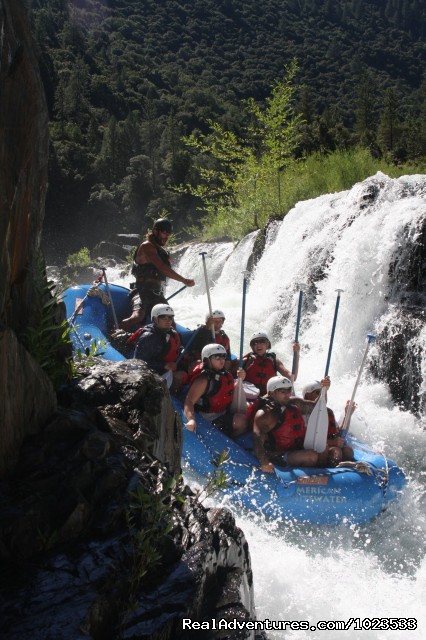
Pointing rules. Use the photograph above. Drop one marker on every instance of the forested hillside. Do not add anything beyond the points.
(125, 80)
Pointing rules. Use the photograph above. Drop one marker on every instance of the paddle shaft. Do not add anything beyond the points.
(176, 292)
(243, 316)
(206, 280)
(110, 297)
(185, 349)
(336, 311)
(296, 339)
(346, 425)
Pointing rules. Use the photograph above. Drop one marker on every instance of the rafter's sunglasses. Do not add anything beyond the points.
(260, 341)
(165, 317)
(217, 356)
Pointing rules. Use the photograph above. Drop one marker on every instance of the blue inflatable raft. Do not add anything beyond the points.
(351, 494)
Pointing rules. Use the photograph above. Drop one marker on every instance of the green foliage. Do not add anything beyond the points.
(83, 359)
(276, 129)
(328, 173)
(239, 168)
(47, 539)
(303, 179)
(150, 521)
(125, 81)
(79, 259)
(217, 480)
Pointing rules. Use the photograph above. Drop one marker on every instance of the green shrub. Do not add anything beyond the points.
(80, 258)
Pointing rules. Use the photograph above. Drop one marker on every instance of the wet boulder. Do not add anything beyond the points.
(101, 539)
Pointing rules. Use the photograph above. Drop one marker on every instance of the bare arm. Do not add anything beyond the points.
(282, 369)
(263, 422)
(196, 390)
(305, 406)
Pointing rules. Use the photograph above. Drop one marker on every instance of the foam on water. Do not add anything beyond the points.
(346, 240)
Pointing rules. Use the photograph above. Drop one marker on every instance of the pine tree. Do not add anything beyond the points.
(389, 127)
(365, 123)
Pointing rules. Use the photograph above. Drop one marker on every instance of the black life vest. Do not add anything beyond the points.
(169, 341)
(148, 272)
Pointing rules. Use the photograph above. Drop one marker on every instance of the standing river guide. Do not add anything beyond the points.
(151, 267)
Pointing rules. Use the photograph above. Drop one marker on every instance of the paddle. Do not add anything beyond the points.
(317, 429)
(188, 344)
(239, 400)
(110, 297)
(176, 292)
(346, 423)
(168, 375)
(296, 339)
(203, 255)
(336, 311)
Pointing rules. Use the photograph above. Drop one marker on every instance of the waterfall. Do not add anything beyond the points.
(367, 241)
(370, 242)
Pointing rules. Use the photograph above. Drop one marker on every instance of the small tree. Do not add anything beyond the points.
(278, 127)
(234, 169)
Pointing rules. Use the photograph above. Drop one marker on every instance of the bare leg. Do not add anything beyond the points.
(239, 424)
(138, 314)
(137, 317)
(334, 456)
(306, 458)
(347, 453)
(179, 379)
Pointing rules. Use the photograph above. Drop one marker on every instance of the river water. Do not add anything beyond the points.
(342, 241)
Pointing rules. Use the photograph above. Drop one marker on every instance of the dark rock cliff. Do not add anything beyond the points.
(26, 394)
(97, 536)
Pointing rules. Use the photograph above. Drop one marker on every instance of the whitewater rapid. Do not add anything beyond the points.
(347, 241)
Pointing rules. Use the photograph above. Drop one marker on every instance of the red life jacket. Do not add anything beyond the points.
(261, 402)
(195, 371)
(259, 369)
(220, 390)
(173, 342)
(169, 340)
(222, 338)
(289, 432)
(332, 425)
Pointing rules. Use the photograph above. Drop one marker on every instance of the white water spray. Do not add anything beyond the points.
(352, 240)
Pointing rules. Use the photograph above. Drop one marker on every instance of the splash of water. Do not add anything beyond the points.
(362, 241)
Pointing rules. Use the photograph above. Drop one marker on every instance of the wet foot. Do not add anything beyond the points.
(132, 321)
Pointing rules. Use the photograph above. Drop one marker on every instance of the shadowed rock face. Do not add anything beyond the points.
(80, 515)
(27, 398)
(23, 163)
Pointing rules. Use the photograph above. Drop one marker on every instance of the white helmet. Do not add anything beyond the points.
(162, 310)
(217, 313)
(278, 382)
(260, 334)
(212, 350)
(312, 386)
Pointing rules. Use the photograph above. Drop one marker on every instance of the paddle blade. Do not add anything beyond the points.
(168, 377)
(317, 430)
(252, 392)
(239, 402)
